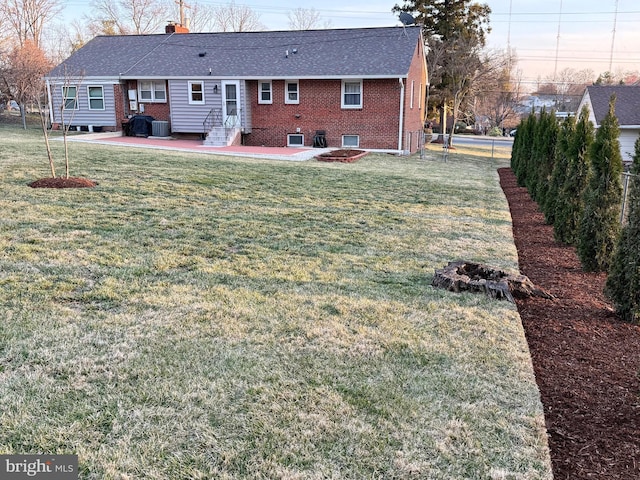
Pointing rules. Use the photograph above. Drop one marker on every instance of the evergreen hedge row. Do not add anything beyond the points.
(574, 175)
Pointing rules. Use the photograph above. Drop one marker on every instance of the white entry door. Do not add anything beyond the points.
(231, 104)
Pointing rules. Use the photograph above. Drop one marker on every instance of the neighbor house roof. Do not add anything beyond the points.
(627, 102)
(365, 52)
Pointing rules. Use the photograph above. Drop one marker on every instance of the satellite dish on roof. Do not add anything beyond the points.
(407, 18)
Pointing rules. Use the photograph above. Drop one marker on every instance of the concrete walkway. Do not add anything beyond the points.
(196, 146)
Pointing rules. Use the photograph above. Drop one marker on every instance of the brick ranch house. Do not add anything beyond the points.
(363, 87)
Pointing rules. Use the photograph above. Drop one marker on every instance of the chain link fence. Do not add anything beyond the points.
(628, 179)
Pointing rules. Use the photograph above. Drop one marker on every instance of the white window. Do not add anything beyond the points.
(196, 93)
(420, 97)
(152, 91)
(70, 98)
(295, 140)
(265, 95)
(291, 94)
(351, 141)
(352, 94)
(412, 94)
(96, 97)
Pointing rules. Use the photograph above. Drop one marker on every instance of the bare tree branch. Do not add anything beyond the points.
(304, 19)
(236, 18)
(28, 18)
(128, 17)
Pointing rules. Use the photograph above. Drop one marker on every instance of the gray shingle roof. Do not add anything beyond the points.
(627, 102)
(319, 53)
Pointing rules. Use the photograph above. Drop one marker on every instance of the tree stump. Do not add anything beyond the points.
(462, 276)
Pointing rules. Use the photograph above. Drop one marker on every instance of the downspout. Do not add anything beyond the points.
(401, 119)
(50, 101)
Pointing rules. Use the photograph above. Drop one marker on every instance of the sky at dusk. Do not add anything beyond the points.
(547, 35)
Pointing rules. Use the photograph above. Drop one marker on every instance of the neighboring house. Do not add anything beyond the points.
(596, 98)
(363, 87)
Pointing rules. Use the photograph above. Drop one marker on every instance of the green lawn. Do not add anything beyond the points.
(197, 316)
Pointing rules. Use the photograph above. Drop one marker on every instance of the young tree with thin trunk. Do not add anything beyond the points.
(44, 124)
(600, 224)
(623, 281)
(64, 103)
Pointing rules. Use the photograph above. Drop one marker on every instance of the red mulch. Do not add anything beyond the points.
(586, 360)
(344, 156)
(61, 182)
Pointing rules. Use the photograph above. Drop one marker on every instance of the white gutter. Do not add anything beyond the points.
(401, 119)
(208, 76)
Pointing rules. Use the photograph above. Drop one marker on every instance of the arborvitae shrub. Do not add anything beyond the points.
(623, 281)
(537, 151)
(559, 173)
(525, 138)
(600, 225)
(546, 158)
(570, 201)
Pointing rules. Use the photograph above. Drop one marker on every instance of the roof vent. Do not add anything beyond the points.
(202, 54)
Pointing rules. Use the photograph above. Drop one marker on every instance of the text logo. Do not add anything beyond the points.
(45, 467)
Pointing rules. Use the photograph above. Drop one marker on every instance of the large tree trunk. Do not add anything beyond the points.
(462, 276)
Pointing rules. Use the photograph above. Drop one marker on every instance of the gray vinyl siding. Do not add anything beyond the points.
(83, 115)
(628, 139)
(188, 118)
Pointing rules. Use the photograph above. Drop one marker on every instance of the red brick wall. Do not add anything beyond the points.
(119, 97)
(159, 111)
(320, 109)
(415, 116)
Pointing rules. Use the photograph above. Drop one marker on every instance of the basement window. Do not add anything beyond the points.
(350, 141)
(295, 140)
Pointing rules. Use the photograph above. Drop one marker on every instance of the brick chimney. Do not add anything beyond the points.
(173, 27)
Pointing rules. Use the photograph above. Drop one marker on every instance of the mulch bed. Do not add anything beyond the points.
(61, 182)
(344, 156)
(586, 360)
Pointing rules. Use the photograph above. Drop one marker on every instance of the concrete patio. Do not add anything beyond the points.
(195, 146)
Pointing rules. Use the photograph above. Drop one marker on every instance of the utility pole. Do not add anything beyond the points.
(182, 6)
(555, 69)
(613, 38)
